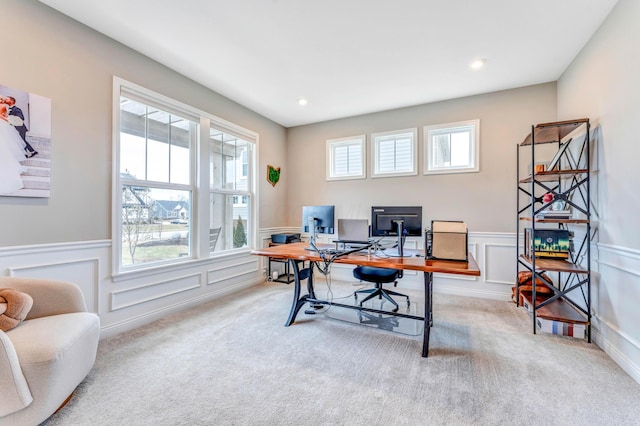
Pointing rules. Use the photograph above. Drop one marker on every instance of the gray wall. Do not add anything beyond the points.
(485, 200)
(53, 56)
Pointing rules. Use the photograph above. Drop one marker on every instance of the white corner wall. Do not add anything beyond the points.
(602, 84)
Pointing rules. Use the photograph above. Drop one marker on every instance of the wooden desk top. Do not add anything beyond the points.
(415, 263)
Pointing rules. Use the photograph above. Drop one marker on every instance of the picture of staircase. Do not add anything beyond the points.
(37, 177)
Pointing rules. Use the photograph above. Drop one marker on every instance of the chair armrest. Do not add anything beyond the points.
(50, 297)
(13, 385)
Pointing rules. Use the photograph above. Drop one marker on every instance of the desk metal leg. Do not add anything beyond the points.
(428, 312)
(298, 302)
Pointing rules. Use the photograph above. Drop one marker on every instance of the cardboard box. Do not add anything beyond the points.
(447, 240)
(561, 328)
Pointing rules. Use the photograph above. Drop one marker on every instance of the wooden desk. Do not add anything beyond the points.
(297, 252)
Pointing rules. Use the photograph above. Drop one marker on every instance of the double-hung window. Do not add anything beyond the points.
(452, 147)
(156, 146)
(161, 215)
(395, 153)
(231, 159)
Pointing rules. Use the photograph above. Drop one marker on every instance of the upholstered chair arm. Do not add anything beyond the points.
(13, 386)
(50, 297)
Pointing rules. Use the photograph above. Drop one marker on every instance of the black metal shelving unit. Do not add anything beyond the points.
(569, 279)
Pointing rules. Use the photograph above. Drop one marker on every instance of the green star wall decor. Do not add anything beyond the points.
(273, 174)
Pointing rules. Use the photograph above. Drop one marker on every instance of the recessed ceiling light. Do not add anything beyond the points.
(302, 101)
(478, 63)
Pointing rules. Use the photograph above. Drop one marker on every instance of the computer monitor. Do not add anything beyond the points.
(400, 221)
(353, 230)
(317, 220)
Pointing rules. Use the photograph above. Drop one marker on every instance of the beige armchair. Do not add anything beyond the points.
(45, 358)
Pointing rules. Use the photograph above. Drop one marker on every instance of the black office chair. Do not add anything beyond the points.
(378, 276)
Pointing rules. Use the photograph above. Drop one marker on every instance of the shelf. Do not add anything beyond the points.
(553, 132)
(559, 316)
(555, 265)
(553, 175)
(558, 310)
(528, 219)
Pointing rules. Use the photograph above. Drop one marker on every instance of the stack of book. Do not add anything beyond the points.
(554, 214)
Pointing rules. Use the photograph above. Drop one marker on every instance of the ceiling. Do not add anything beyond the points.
(349, 57)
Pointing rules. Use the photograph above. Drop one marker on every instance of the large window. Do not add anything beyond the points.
(394, 153)
(346, 158)
(452, 147)
(160, 216)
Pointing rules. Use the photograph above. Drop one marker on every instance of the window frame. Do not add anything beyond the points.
(332, 144)
(251, 138)
(377, 138)
(199, 180)
(474, 156)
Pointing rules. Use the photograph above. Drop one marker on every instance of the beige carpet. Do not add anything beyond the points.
(232, 362)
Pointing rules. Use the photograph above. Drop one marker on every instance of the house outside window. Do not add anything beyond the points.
(346, 158)
(395, 153)
(452, 147)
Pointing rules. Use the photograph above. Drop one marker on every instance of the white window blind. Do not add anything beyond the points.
(345, 158)
(394, 153)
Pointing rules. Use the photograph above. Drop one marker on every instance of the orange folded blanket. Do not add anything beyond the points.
(14, 307)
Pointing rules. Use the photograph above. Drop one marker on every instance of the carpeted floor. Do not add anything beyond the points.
(232, 362)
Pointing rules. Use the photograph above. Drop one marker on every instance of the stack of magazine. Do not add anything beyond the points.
(554, 214)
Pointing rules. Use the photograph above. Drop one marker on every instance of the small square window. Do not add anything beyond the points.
(395, 153)
(452, 147)
(345, 158)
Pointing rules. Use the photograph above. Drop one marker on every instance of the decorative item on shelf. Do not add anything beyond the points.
(554, 214)
(558, 209)
(538, 168)
(555, 161)
(548, 243)
(273, 174)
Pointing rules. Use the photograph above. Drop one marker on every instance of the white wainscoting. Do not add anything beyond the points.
(616, 300)
(128, 301)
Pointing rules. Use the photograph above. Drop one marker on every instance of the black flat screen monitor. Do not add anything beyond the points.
(322, 217)
(384, 220)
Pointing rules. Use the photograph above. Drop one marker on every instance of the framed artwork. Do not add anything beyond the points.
(555, 161)
(25, 144)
